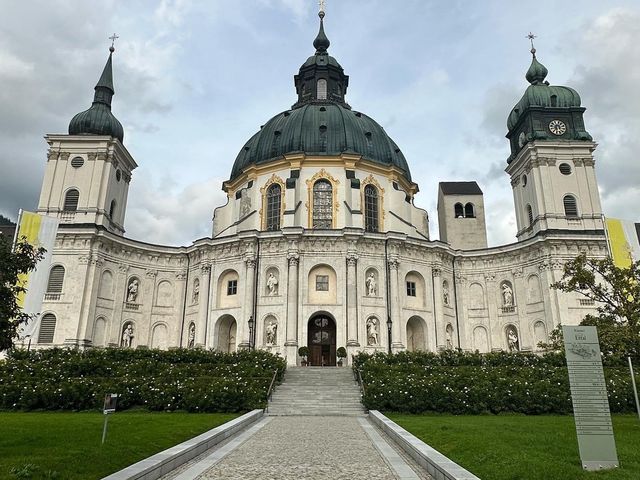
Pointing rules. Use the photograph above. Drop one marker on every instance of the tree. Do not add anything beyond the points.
(616, 291)
(14, 262)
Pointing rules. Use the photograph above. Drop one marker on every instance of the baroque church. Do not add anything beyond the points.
(320, 243)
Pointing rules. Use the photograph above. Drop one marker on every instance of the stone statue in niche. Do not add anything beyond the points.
(512, 339)
(245, 203)
(507, 295)
(445, 293)
(272, 284)
(449, 337)
(371, 285)
(196, 291)
(272, 333)
(127, 336)
(192, 336)
(372, 331)
(132, 290)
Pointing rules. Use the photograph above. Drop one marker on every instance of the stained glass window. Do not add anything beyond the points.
(371, 209)
(274, 199)
(322, 204)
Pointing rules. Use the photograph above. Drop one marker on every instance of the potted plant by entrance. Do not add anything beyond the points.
(304, 353)
(342, 354)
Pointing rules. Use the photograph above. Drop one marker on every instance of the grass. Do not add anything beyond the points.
(518, 447)
(67, 445)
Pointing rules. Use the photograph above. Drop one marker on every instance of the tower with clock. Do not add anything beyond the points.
(551, 162)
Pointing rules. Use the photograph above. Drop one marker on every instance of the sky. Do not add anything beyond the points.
(195, 79)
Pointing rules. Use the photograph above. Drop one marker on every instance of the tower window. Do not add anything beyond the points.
(322, 283)
(56, 279)
(77, 162)
(565, 168)
(274, 205)
(322, 204)
(570, 206)
(524, 181)
(371, 222)
(47, 328)
(322, 89)
(411, 289)
(71, 200)
(530, 214)
(118, 175)
(469, 211)
(554, 100)
(458, 210)
(112, 209)
(232, 287)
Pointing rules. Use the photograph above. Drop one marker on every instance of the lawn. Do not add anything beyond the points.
(518, 447)
(69, 443)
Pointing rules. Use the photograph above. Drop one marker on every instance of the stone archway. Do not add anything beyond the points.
(227, 331)
(416, 334)
(321, 339)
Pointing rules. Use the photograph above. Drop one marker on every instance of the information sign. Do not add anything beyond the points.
(589, 396)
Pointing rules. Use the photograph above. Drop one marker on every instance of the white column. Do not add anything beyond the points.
(292, 309)
(203, 306)
(396, 319)
(352, 299)
(243, 323)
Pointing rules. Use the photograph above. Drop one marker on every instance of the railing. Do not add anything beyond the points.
(131, 306)
(358, 378)
(51, 297)
(272, 387)
(586, 302)
(509, 309)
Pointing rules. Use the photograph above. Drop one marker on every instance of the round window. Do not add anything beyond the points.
(524, 180)
(565, 169)
(118, 175)
(77, 162)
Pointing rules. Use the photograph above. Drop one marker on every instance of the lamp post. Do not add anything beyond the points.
(252, 324)
(389, 323)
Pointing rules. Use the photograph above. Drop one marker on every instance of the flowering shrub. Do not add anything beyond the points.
(471, 383)
(191, 380)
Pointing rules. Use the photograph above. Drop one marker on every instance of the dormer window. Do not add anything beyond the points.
(322, 89)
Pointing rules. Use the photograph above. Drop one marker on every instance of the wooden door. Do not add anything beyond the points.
(322, 341)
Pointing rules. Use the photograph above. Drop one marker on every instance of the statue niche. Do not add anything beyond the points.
(371, 282)
(132, 290)
(272, 282)
(372, 332)
(271, 333)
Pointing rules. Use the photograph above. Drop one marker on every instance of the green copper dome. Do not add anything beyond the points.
(541, 94)
(98, 119)
(320, 122)
(320, 129)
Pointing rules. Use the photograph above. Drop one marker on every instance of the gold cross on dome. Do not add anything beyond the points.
(531, 36)
(322, 5)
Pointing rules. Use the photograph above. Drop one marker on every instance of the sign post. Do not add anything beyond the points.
(589, 397)
(110, 401)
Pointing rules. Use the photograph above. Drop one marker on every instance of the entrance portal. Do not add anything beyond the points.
(322, 341)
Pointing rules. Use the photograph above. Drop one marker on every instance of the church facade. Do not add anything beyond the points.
(320, 243)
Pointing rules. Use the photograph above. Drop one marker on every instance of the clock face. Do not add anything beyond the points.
(557, 127)
(521, 139)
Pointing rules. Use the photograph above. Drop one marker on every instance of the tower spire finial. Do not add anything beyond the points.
(531, 36)
(321, 43)
(113, 39)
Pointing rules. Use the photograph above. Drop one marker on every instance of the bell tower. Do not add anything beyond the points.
(551, 163)
(88, 171)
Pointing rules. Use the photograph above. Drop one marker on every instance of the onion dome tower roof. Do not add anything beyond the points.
(320, 122)
(98, 119)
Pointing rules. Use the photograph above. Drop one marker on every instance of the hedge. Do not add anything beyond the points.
(472, 383)
(190, 380)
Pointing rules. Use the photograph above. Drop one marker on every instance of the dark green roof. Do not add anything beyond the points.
(320, 129)
(541, 94)
(98, 119)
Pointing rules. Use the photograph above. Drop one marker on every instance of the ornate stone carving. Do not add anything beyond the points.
(151, 273)
(507, 294)
(517, 272)
(513, 342)
(132, 290)
(393, 264)
(192, 335)
(352, 260)
(372, 285)
(91, 156)
(251, 262)
(445, 293)
(83, 259)
(51, 155)
(122, 268)
(272, 284)
(293, 259)
(64, 156)
(578, 162)
(515, 181)
(181, 275)
(205, 268)
(489, 277)
(271, 333)
(436, 272)
(127, 336)
(372, 332)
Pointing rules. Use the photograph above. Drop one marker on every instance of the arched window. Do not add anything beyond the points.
(112, 209)
(530, 214)
(322, 89)
(71, 200)
(56, 279)
(458, 210)
(322, 204)
(469, 211)
(47, 328)
(570, 206)
(371, 211)
(274, 205)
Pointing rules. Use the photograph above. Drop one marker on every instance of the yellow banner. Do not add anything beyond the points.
(30, 228)
(620, 248)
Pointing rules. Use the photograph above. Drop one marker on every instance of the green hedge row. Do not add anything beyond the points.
(191, 380)
(465, 383)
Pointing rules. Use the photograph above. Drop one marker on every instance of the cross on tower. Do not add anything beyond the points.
(113, 39)
(322, 5)
(531, 36)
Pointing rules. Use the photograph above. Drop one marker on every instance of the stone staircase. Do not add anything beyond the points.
(317, 391)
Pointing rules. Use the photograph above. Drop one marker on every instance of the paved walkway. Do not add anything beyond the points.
(304, 448)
